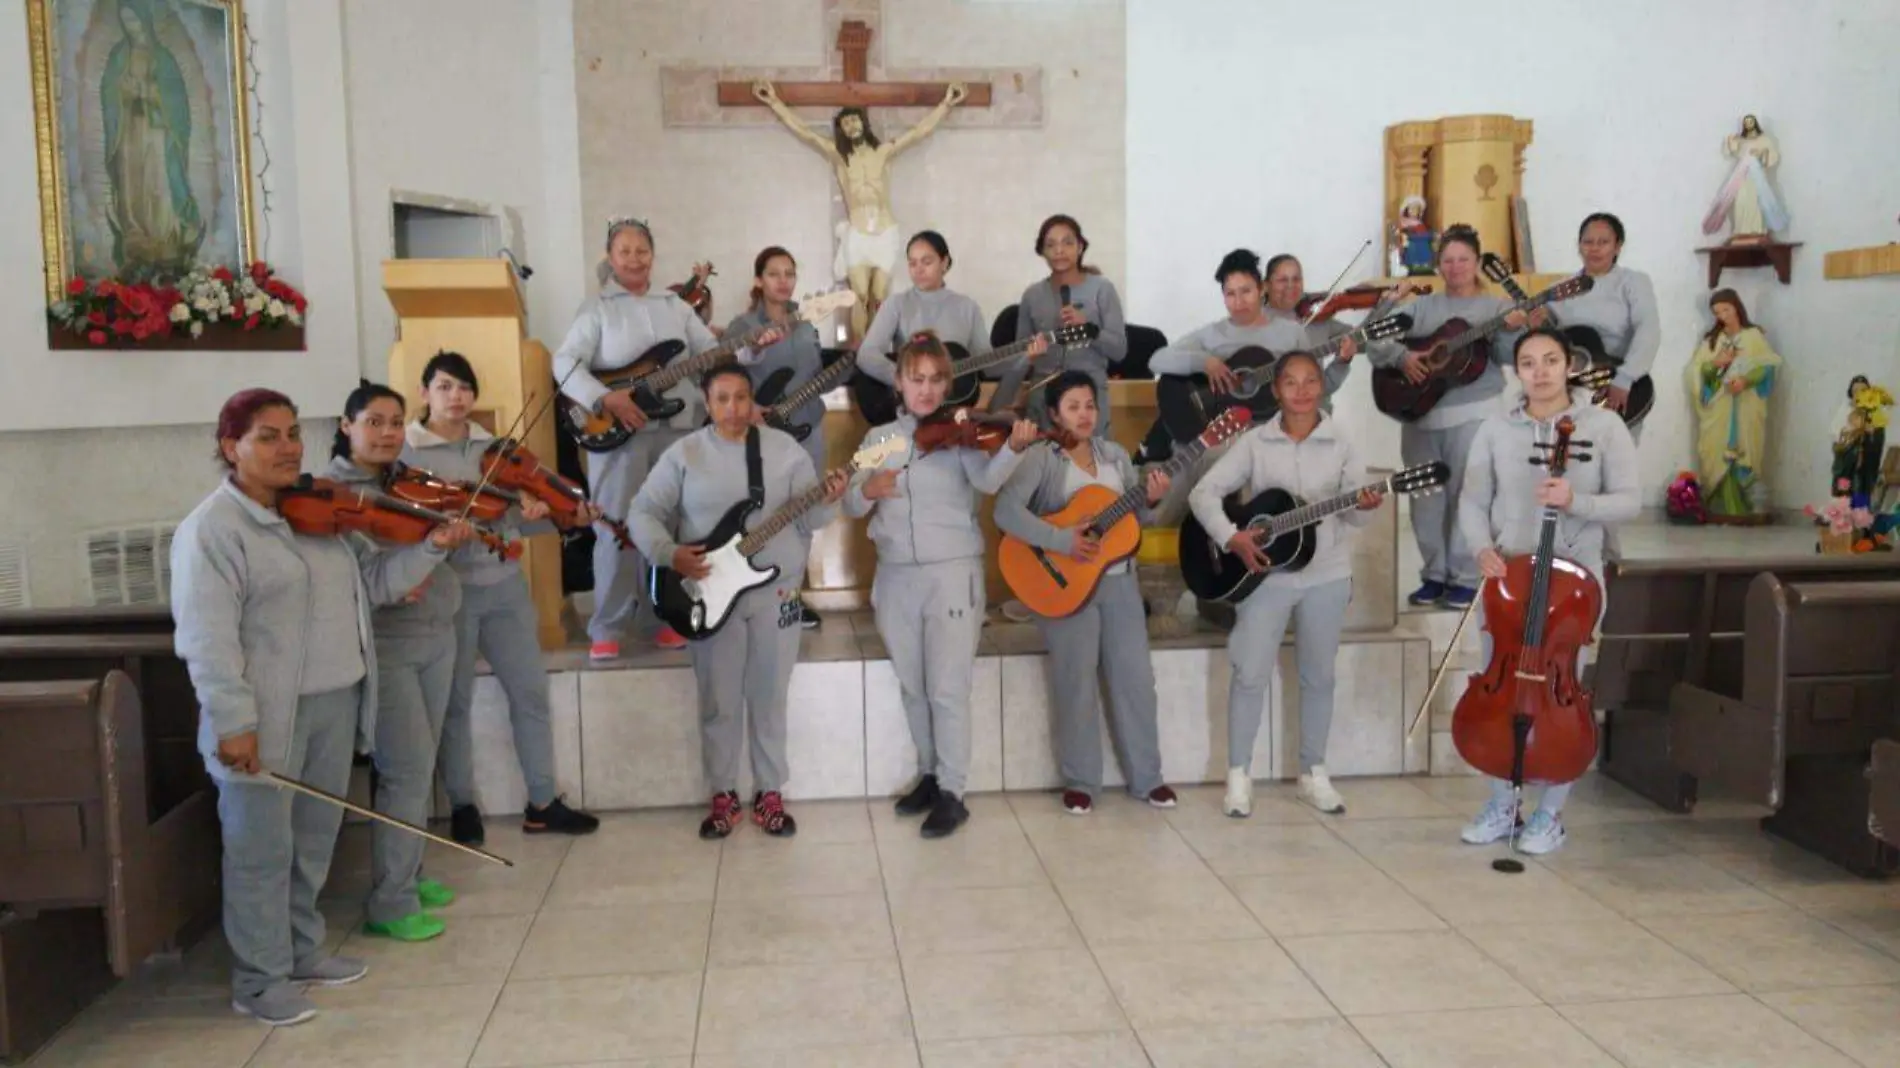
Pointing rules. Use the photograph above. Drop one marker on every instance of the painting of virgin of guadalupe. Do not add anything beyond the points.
(144, 137)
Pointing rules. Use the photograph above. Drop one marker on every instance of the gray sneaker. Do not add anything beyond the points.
(280, 1006)
(331, 971)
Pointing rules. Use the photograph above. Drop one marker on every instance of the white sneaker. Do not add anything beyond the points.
(1494, 824)
(1239, 799)
(1317, 790)
(1543, 833)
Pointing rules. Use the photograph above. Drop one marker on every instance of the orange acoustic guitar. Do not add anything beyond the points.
(1054, 584)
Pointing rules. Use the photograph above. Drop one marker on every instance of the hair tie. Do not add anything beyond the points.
(921, 335)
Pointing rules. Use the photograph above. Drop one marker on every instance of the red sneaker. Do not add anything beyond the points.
(1162, 796)
(600, 651)
(768, 811)
(725, 815)
(1077, 803)
(668, 638)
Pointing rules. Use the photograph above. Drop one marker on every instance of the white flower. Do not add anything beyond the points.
(294, 317)
(180, 312)
(253, 303)
(197, 328)
(276, 309)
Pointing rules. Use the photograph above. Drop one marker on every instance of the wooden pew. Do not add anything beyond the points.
(1820, 687)
(1671, 621)
(1884, 785)
(105, 619)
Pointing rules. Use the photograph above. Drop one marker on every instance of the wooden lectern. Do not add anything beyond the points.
(471, 306)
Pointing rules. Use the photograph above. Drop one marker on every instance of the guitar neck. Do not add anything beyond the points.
(725, 352)
(1308, 514)
(1496, 323)
(818, 384)
(972, 364)
(1131, 498)
(788, 513)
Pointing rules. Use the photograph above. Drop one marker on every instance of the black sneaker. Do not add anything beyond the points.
(807, 618)
(945, 816)
(557, 818)
(465, 825)
(921, 799)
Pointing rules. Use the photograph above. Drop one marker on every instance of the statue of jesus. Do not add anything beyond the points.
(869, 243)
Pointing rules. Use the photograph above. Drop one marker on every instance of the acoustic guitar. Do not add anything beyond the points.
(657, 370)
(1054, 584)
(697, 608)
(778, 412)
(1283, 527)
(1586, 345)
(1187, 403)
(1456, 354)
(879, 404)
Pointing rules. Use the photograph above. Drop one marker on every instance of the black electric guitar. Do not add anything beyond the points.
(1585, 344)
(1188, 404)
(879, 404)
(778, 411)
(1283, 527)
(1456, 354)
(658, 370)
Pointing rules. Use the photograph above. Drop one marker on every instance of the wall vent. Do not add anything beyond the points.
(14, 591)
(131, 565)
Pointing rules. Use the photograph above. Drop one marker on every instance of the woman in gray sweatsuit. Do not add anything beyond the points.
(275, 629)
(1091, 298)
(1107, 641)
(928, 593)
(744, 670)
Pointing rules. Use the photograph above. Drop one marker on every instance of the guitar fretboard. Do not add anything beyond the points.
(1131, 498)
(788, 513)
(1496, 323)
(725, 352)
(972, 364)
(1308, 514)
(818, 384)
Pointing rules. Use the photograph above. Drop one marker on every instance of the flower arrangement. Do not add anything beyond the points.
(1873, 401)
(109, 311)
(1683, 502)
(1846, 528)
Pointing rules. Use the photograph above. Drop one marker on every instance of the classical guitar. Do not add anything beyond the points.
(1283, 527)
(1585, 344)
(697, 608)
(657, 370)
(779, 412)
(1187, 403)
(1455, 354)
(879, 406)
(1055, 584)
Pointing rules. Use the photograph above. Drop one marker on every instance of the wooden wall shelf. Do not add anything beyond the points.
(1776, 254)
(1862, 262)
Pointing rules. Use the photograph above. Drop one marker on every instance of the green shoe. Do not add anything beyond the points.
(415, 927)
(433, 894)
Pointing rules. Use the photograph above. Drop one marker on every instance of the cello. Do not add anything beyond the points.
(1527, 716)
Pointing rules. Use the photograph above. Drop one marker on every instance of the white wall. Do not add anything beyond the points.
(1254, 124)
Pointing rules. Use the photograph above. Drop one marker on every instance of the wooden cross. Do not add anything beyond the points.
(856, 89)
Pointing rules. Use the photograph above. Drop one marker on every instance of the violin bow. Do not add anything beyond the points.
(547, 404)
(1334, 288)
(324, 795)
(1444, 661)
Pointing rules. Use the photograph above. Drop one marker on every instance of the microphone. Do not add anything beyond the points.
(1065, 296)
(522, 272)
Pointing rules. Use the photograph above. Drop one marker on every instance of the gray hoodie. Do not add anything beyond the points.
(1462, 404)
(1277, 334)
(955, 317)
(1043, 485)
(799, 352)
(933, 516)
(613, 328)
(461, 461)
(1621, 307)
(434, 613)
(242, 605)
(1498, 507)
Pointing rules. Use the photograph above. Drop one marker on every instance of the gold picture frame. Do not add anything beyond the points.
(124, 191)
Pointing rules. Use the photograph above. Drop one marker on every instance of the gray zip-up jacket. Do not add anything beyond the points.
(1498, 507)
(1040, 486)
(433, 614)
(799, 352)
(956, 318)
(1222, 338)
(1621, 307)
(933, 516)
(701, 476)
(241, 602)
(613, 328)
(1462, 404)
(461, 461)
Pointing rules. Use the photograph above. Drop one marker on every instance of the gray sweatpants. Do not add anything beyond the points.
(743, 673)
(500, 623)
(1318, 614)
(277, 847)
(413, 679)
(1447, 558)
(930, 616)
(1106, 643)
(620, 575)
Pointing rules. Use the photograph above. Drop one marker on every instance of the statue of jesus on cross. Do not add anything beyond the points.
(869, 242)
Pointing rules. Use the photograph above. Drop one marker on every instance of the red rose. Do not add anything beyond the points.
(75, 287)
(300, 303)
(259, 271)
(96, 317)
(251, 323)
(122, 325)
(140, 331)
(106, 287)
(97, 337)
(222, 274)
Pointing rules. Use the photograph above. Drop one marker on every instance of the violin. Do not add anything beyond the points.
(321, 507)
(1357, 298)
(424, 488)
(509, 465)
(966, 428)
(1527, 716)
(694, 291)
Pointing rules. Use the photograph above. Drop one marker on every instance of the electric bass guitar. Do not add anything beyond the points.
(1283, 527)
(1456, 354)
(697, 608)
(778, 412)
(1187, 403)
(1585, 344)
(879, 405)
(657, 370)
(1054, 584)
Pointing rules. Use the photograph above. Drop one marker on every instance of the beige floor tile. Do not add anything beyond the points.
(671, 875)
(819, 822)
(1604, 843)
(849, 1003)
(1196, 983)
(1482, 1038)
(1332, 903)
(167, 1033)
(594, 1018)
(474, 949)
(1109, 1049)
(1680, 885)
(1877, 926)
(623, 941)
(801, 930)
(1332, 1043)
(1399, 844)
(934, 922)
(1712, 1032)
(993, 995)
(1776, 951)
(1419, 971)
(1860, 1021)
(1157, 909)
(1200, 806)
(1594, 960)
(1240, 847)
(1476, 895)
(883, 1055)
(1374, 799)
(492, 891)
(1101, 851)
(972, 858)
(369, 1026)
(1804, 880)
(800, 869)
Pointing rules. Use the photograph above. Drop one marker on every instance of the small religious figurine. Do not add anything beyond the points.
(1862, 441)
(1746, 200)
(1412, 243)
(869, 242)
(1730, 377)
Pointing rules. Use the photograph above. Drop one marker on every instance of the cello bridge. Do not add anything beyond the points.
(1528, 677)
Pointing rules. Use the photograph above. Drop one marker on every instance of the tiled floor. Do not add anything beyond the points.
(1128, 937)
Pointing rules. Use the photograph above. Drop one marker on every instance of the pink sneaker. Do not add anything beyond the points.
(668, 638)
(600, 651)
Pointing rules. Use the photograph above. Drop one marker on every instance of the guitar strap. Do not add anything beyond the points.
(754, 468)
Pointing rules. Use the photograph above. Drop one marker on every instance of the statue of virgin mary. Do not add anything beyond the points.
(156, 224)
